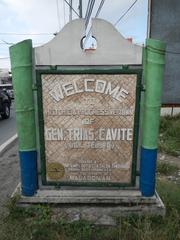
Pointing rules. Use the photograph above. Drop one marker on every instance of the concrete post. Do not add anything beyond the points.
(153, 77)
(22, 66)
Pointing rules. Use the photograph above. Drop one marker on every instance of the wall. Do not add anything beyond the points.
(164, 24)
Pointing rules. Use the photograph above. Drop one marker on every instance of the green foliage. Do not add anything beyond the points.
(39, 221)
(166, 169)
(36, 223)
(79, 230)
(105, 233)
(170, 194)
(156, 227)
(169, 140)
(11, 205)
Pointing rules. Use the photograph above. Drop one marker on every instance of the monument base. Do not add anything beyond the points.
(101, 207)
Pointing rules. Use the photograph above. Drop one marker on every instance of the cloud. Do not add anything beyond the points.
(38, 16)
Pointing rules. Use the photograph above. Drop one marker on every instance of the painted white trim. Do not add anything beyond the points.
(8, 143)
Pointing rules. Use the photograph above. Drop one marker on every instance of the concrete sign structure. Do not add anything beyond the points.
(88, 133)
(78, 118)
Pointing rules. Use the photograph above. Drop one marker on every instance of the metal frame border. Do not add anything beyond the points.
(88, 70)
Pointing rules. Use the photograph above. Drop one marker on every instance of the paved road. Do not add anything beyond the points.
(9, 175)
(8, 126)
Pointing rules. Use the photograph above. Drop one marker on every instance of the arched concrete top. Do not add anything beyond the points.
(65, 49)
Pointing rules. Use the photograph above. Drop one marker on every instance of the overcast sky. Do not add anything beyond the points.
(40, 16)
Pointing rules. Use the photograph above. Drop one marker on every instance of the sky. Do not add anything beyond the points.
(46, 17)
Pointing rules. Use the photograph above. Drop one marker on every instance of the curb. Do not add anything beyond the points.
(5, 146)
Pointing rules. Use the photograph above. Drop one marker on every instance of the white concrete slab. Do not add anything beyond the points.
(65, 47)
(101, 207)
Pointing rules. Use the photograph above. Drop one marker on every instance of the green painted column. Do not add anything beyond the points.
(21, 65)
(144, 60)
(154, 63)
(154, 70)
(22, 75)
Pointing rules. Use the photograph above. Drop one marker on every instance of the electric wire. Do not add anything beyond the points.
(80, 9)
(64, 12)
(9, 44)
(22, 34)
(87, 36)
(5, 42)
(97, 13)
(99, 9)
(124, 14)
(72, 8)
(58, 15)
(87, 9)
(89, 13)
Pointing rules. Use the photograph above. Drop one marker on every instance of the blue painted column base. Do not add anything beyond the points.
(148, 171)
(28, 165)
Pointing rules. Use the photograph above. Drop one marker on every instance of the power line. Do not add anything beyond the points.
(58, 16)
(11, 33)
(64, 12)
(89, 12)
(8, 43)
(72, 8)
(100, 7)
(125, 13)
(5, 42)
(97, 13)
(80, 9)
(87, 9)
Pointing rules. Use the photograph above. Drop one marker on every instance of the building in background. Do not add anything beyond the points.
(164, 24)
(5, 76)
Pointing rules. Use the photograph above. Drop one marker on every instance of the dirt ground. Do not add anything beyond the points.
(170, 159)
(175, 177)
(9, 174)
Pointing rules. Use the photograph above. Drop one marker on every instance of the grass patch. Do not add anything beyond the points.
(170, 194)
(36, 223)
(166, 169)
(169, 138)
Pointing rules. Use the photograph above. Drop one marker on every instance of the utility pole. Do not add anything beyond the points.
(70, 10)
(80, 9)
